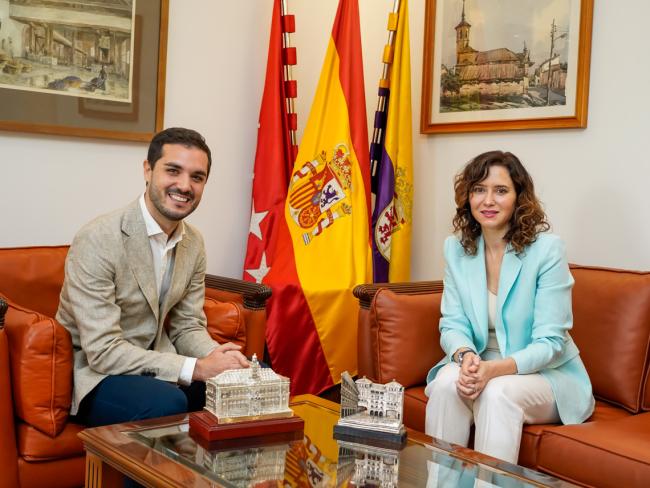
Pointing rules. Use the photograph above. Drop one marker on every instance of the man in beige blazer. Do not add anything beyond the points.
(133, 296)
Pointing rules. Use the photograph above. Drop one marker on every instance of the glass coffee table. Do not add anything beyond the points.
(161, 452)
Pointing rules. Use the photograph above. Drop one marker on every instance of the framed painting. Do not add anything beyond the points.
(78, 68)
(505, 65)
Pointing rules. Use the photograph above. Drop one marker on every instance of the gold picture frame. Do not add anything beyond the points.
(137, 120)
(524, 64)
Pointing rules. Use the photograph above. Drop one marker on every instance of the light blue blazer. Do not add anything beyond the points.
(534, 316)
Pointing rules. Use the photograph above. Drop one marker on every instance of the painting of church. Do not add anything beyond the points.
(495, 72)
(503, 77)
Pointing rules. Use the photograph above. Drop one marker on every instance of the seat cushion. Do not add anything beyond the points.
(40, 354)
(611, 319)
(529, 446)
(8, 451)
(407, 337)
(415, 404)
(532, 434)
(415, 407)
(225, 321)
(33, 445)
(61, 473)
(610, 453)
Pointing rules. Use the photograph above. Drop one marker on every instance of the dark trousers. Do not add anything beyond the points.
(125, 398)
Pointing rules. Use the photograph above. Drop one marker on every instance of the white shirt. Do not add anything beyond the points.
(163, 250)
(492, 350)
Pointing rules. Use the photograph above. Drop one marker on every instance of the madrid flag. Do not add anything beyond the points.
(323, 248)
(274, 155)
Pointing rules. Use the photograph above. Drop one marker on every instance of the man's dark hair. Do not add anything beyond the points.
(176, 135)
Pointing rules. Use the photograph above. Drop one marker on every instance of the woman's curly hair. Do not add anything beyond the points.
(527, 221)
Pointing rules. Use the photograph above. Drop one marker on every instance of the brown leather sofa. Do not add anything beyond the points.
(38, 445)
(399, 339)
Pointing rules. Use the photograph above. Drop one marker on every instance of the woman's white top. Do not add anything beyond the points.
(492, 350)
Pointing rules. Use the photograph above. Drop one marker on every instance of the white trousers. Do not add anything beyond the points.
(499, 412)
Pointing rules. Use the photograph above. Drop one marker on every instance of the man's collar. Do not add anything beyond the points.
(154, 229)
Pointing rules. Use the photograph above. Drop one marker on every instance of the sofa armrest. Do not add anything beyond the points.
(252, 297)
(382, 331)
(365, 293)
(8, 452)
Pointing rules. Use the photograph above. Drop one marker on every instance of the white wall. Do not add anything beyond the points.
(593, 182)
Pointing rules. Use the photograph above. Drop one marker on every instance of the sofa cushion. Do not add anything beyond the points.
(33, 276)
(532, 433)
(33, 445)
(415, 407)
(8, 453)
(60, 473)
(611, 317)
(529, 446)
(604, 412)
(618, 452)
(40, 353)
(407, 337)
(225, 321)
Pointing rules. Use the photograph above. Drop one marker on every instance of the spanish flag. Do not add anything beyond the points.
(324, 248)
(392, 156)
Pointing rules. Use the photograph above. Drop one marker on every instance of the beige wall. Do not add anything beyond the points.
(594, 182)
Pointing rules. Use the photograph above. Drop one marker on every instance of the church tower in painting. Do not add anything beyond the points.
(463, 51)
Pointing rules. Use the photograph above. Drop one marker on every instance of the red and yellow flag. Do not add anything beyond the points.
(323, 247)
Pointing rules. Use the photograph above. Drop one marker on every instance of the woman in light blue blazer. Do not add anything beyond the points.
(506, 316)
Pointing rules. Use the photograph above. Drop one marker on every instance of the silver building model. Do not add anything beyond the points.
(371, 406)
(248, 394)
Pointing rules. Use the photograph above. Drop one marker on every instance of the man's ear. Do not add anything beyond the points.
(147, 170)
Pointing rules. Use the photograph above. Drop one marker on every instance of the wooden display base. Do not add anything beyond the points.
(247, 442)
(205, 425)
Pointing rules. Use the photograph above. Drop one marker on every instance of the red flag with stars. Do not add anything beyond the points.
(275, 152)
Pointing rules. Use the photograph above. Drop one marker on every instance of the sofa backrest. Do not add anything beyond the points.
(405, 335)
(398, 336)
(611, 327)
(33, 276)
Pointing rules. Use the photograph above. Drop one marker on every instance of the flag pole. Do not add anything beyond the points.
(391, 156)
(288, 26)
(384, 83)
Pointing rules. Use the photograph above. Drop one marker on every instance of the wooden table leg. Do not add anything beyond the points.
(100, 474)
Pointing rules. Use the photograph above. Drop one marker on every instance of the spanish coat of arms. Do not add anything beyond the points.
(320, 191)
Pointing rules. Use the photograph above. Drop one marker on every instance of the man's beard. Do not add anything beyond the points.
(159, 203)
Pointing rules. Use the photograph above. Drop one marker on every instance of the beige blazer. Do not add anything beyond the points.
(109, 303)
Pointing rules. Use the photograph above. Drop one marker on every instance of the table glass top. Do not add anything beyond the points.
(320, 460)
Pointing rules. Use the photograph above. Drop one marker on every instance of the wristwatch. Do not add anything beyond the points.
(462, 353)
